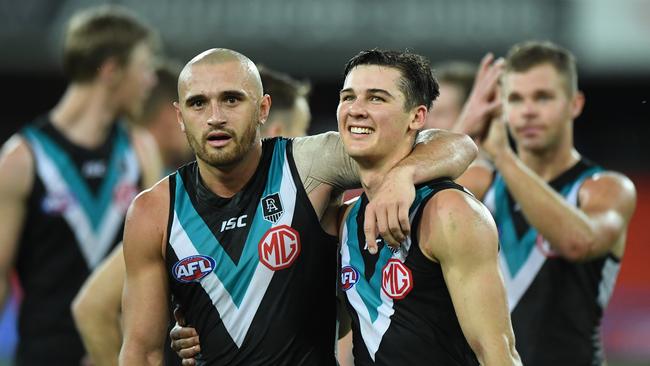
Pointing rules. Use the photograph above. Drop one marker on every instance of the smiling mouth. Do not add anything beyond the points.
(361, 130)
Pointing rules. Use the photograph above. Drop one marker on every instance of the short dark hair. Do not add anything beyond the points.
(460, 74)
(165, 90)
(417, 81)
(283, 89)
(526, 55)
(96, 34)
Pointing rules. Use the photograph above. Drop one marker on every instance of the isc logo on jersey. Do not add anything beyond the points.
(396, 279)
(279, 247)
(349, 277)
(192, 269)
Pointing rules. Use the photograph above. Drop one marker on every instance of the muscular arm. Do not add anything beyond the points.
(599, 226)
(16, 180)
(321, 159)
(146, 291)
(96, 310)
(458, 232)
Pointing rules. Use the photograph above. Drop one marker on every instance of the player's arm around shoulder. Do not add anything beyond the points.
(16, 180)
(146, 291)
(609, 200)
(458, 232)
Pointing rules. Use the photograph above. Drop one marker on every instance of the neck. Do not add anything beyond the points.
(549, 164)
(373, 170)
(84, 114)
(227, 180)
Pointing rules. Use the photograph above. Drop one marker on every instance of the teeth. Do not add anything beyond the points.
(361, 130)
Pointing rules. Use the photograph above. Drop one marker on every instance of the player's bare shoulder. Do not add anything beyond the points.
(611, 190)
(454, 221)
(148, 215)
(16, 167)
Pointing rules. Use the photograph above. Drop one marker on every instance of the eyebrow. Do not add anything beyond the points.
(229, 93)
(370, 91)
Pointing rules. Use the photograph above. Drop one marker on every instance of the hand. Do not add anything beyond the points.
(483, 101)
(496, 140)
(184, 340)
(388, 211)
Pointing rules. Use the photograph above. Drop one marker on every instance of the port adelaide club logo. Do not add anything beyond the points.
(272, 208)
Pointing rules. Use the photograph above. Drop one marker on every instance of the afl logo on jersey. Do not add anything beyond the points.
(349, 277)
(192, 269)
(56, 203)
(396, 279)
(279, 247)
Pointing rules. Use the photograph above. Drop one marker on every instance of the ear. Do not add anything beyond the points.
(265, 108)
(577, 103)
(179, 116)
(419, 118)
(110, 72)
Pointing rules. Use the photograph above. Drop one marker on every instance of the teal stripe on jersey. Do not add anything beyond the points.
(234, 277)
(517, 251)
(370, 289)
(94, 207)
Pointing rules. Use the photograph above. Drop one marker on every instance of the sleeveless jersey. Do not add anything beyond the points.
(255, 273)
(402, 313)
(556, 305)
(75, 216)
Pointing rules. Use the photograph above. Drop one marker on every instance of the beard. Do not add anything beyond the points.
(230, 154)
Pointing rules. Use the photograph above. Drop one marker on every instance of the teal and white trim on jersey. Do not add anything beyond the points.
(94, 219)
(236, 289)
(522, 259)
(373, 307)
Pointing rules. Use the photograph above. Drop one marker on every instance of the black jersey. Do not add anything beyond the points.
(402, 313)
(556, 305)
(255, 273)
(75, 215)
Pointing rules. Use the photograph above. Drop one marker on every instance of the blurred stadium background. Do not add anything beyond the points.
(312, 39)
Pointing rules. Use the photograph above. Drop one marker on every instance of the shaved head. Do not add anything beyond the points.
(216, 56)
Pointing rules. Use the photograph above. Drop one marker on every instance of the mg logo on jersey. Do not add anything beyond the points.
(279, 247)
(349, 277)
(396, 279)
(272, 208)
(192, 269)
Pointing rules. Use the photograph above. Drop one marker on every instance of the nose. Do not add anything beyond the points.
(357, 109)
(529, 109)
(216, 117)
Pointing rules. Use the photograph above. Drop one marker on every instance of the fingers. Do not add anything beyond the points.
(183, 338)
(369, 228)
(404, 222)
(179, 316)
(189, 354)
(384, 214)
(486, 61)
(188, 362)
